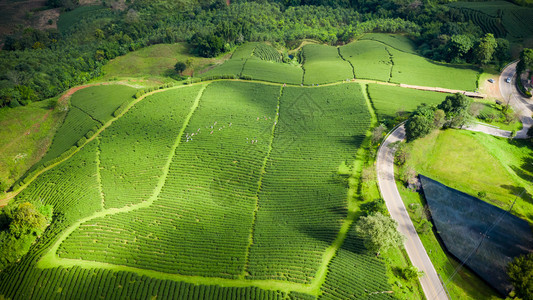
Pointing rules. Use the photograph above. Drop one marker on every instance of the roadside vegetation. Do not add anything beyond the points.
(202, 163)
(494, 169)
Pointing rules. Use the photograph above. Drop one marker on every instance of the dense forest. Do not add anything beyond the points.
(36, 65)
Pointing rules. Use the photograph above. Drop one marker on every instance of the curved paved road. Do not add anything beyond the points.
(520, 104)
(431, 284)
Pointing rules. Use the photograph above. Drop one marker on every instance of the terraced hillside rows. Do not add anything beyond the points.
(228, 191)
(302, 200)
(257, 61)
(502, 18)
(392, 59)
(91, 108)
(383, 57)
(323, 64)
(209, 192)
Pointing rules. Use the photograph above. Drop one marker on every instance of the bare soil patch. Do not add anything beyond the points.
(41, 19)
(13, 13)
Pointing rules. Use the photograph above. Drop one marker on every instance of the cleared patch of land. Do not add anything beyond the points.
(154, 61)
(26, 134)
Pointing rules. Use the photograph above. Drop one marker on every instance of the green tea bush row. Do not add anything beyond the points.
(323, 64)
(302, 201)
(355, 273)
(136, 146)
(267, 52)
(143, 92)
(487, 23)
(101, 101)
(211, 188)
(122, 108)
(69, 187)
(80, 283)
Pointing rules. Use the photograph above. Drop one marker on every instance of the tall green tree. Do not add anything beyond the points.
(379, 232)
(455, 108)
(421, 122)
(520, 271)
(20, 225)
(503, 49)
(485, 48)
(526, 60)
(180, 67)
(460, 45)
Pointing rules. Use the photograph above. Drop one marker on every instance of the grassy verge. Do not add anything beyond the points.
(462, 284)
(396, 258)
(475, 162)
(26, 134)
(492, 114)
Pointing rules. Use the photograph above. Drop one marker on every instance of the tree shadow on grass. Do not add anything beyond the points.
(519, 191)
(519, 143)
(525, 171)
(355, 140)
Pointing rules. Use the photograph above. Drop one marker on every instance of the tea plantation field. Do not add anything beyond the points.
(382, 57)
(222, 190)
(389, 101)
(90, 109)
(392, 59)
(502, 18)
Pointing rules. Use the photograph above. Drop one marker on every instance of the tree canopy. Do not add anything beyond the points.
(379, 232)
(452, 112)
(520, 272)
(526, 60)
(39, 64)
(20, 225)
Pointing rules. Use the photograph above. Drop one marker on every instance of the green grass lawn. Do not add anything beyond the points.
(389, 100)
(154, 61)
(323, 64)
(464, 284)
(473, 162)
(26, 134)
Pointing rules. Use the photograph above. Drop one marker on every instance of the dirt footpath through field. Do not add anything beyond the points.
(443, 90)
